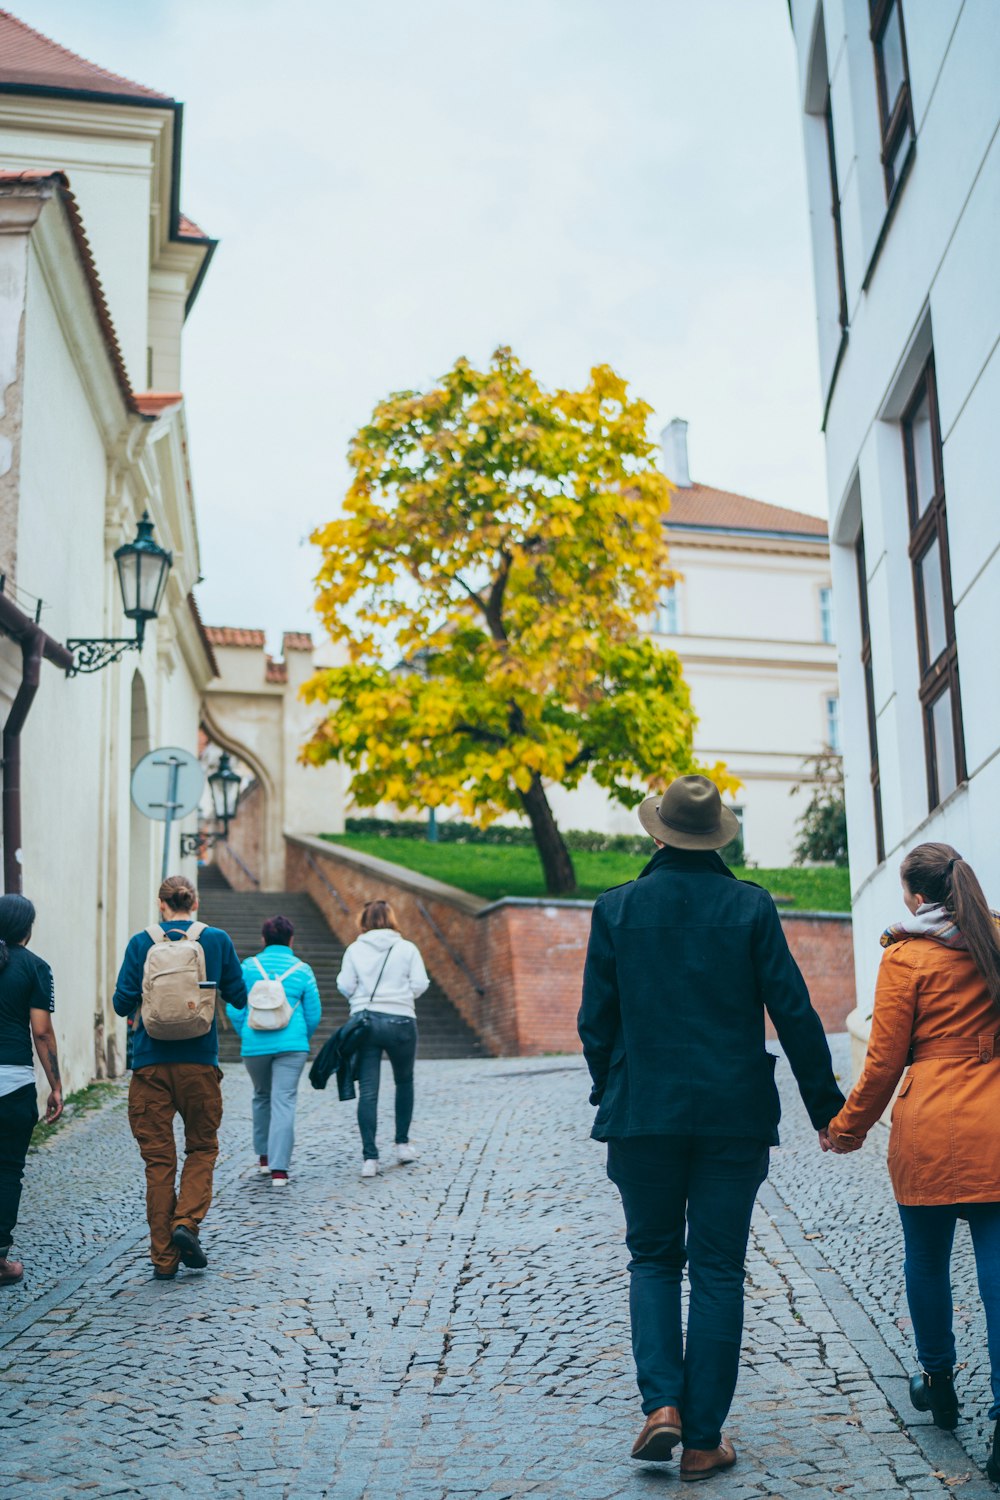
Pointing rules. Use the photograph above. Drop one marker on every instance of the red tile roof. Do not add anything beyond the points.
(187, 229)
(275, 671)
(234, 635)
(29, 60)
(152, 403)
(720, 510)
(28, 180)
(296, 640)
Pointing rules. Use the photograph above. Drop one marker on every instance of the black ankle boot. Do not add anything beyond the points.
(936, 1394)
(993, 1461)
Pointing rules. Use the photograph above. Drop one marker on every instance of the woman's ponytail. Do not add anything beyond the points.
(977, 925)
(940, 874)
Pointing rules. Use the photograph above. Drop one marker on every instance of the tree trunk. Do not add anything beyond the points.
(560, 877)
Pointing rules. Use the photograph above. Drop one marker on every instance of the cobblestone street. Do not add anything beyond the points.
(456, 1328)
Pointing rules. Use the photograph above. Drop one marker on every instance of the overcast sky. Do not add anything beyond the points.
(395, 184)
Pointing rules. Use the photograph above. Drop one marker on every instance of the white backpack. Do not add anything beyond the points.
(178, 1003)
(267, 1004)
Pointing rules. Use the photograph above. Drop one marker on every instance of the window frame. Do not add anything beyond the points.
(829, 720)
(668, 604)
(899, 124)
(866, 663)
(940, 674)
(826, 614)
(838, 228)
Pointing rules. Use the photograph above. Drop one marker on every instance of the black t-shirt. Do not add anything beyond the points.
(25, 985)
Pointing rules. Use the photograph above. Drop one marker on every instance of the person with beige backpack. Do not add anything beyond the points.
(168, 982)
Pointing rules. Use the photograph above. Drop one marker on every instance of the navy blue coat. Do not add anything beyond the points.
(682, 964)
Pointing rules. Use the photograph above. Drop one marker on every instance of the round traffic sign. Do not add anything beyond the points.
(168, 783)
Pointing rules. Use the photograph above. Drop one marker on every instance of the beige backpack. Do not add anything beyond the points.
(178, 1003)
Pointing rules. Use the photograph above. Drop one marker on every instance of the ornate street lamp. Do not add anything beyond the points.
(142, 566)
(224, 784)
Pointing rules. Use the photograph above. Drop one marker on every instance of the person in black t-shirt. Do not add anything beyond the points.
(26, 1005)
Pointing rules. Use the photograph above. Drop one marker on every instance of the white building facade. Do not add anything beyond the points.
(901, 113)
(751, 619)
(96, 271)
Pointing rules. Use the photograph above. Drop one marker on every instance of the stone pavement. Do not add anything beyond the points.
(456, 1328)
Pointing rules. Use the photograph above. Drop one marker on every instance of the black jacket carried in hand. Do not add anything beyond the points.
(681, 966)
(339, 1054)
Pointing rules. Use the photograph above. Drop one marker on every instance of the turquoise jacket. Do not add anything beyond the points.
(303, 997)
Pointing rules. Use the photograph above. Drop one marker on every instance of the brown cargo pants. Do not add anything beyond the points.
(156, 1094)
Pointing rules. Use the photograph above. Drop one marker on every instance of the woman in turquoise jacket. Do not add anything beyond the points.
(275, 1059)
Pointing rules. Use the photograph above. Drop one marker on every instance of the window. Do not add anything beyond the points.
(866, 662)
(940, 698)
(826, 615)
(833, 723)
(666, 612)
(893, 80)
(838, 233)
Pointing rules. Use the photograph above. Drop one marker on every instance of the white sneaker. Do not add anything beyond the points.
(260, 1167)
(370, 1168)
(279, 1181)
(407, 1153)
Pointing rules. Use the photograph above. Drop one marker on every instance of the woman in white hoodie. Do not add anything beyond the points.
(384, 974)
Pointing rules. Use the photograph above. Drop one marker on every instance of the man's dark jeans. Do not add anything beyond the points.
(706, 1186)
(18, 1118)
(396, 1036)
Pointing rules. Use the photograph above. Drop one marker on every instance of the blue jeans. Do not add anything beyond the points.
(687, 1198)
(396, 1036)
(275, 1078)
(928, 1232)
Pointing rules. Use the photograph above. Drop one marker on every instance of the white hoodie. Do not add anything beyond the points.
(403, 978)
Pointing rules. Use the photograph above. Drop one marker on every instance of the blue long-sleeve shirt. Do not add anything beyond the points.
(302, 994)
(221, 966)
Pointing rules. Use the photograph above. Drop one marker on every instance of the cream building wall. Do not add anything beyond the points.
(920, 273)
(747, 623)
(81, 458)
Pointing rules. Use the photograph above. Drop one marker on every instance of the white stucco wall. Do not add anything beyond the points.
(934, 284)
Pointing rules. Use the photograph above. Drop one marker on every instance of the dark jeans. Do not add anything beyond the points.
(929, 1232)
(706, 1186)
(396, 1036)
(18, 1118)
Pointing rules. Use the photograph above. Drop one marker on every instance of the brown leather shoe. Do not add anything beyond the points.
(11, 1271)
(702, 1463)
(660, 1436)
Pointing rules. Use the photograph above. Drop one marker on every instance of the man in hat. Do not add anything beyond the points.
(681, 966)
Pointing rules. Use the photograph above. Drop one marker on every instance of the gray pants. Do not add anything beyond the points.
(275, 1084)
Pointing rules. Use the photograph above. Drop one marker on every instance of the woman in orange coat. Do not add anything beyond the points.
(937, 1008)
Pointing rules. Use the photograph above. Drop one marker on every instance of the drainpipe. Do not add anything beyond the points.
(35, 645)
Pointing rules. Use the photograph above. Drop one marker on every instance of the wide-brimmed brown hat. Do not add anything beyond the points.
(689, 815)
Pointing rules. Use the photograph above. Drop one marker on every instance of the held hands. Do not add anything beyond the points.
(842, 1146)
(54, 1105)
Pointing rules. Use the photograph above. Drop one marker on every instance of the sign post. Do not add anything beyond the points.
(167, 784)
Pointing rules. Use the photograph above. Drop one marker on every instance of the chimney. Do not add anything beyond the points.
(674, 442)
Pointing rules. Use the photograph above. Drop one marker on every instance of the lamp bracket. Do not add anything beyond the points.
(93, 653)
(196, 843)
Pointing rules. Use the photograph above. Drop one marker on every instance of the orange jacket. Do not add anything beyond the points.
(944, 1146)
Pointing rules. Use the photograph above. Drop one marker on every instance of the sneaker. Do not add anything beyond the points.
(262, 1166)
(406, 1153)
(189, 1245)
(370, 1168)
(279, 1179)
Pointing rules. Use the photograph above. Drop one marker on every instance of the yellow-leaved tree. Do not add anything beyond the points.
(500, 548)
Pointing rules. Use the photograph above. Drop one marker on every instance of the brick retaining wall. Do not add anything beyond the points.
(513, 968)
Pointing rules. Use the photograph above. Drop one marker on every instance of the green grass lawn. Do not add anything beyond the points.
(495, 870)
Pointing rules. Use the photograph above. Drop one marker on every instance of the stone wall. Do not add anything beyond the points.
(245, 842)
(513, 968)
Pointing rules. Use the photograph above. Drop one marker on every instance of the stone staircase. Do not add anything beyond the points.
(443, 1033)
